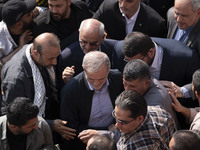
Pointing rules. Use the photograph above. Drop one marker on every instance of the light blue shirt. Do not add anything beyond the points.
(101, 110)
(182, 35)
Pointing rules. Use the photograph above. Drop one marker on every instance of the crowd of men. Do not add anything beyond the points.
(100, 74)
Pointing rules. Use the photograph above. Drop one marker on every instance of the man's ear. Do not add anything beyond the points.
(140, 119)
(148, 81)
(198, 12)
(104, 36)
(69, 2)
(35, 52)
(152, 52)
(197, 95)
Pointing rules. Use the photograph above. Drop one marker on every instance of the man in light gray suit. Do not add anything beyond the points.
(136, 76)
(184, 23)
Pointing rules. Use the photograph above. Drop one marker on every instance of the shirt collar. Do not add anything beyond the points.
(134, 17)
(155, 63)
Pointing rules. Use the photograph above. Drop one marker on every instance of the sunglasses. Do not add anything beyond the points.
(120, 121)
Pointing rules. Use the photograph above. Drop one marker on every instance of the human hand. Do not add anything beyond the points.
(66, 132)
(171, 86)
(176, 104)
(85, 135)
(68, 73)
(25, 38)
(35, 12)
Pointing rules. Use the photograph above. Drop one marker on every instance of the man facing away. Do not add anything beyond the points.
(138, 126)
(184, 140)
(21, 128)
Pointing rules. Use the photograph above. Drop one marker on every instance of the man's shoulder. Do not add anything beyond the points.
(173, 47)
(156, 86)
(75, 83)
(170, 14)
(115, 74)
(149, 12)
(109, 6)
(3, 119)
(157, 93)
(72, 49)
(42, 123)
(16, 66)
(158, 111)
(159, 116)
(79, 4)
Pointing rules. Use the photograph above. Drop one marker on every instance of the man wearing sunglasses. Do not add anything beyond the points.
(138, 126)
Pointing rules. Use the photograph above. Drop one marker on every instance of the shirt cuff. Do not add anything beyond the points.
(185, 92)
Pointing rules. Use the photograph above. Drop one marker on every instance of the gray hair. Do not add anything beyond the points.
(195, 4)
(93, 24)
(94, 60)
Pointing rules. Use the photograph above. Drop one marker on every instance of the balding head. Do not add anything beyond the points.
(45, 49)
(46, 39)
(93, 61)
(91, 34)
(92, 26)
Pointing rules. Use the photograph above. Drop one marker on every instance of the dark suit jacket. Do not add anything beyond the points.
(73, 56)
(76, 101)
(148, 20)
(193, 40)
(178, 64)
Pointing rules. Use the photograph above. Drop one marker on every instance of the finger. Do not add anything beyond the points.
(85, 141)
(83, 138)
(67, 129)
(173, 98)
(67, 137)
(174, 106)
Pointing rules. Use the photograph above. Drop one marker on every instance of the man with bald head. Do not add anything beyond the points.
(91, 38)
(30, 74)
(87, 100)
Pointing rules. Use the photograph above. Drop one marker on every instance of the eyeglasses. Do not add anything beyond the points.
(120, 121)
(126, 60)
(91, 44)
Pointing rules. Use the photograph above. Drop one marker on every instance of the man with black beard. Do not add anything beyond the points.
(63, 19)
(168, 59)
(14, 29)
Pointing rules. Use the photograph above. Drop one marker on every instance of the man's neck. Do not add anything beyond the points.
(11, 129)
(15, 30)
